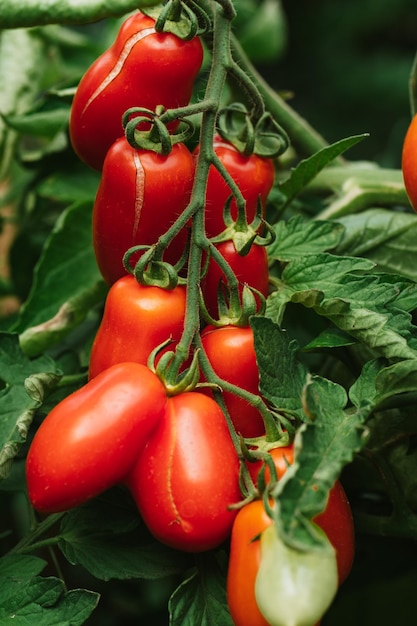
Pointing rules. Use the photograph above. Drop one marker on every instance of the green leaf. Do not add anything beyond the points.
(322, 448)
(282, 377)
(364, 305)
(67, 283)
(264, 35)
(108, 538)
(201, 599)
(24, 385)
(42, 124)
(301, 237)
(44, 602)
(386, 237)
(20, 566)
(332, 337)
(22, 67)
(307, 169)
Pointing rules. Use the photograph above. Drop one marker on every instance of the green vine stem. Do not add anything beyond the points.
(29, 543)
(195, 210)
(358, 188)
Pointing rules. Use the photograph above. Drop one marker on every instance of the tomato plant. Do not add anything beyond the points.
(176, 484)
(130, 209)
(142, 68)
(231, 352)
(143, 145)
(73, 456)
(136, 320)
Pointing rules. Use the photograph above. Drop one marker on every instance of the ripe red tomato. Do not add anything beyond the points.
(187, 476)
(140, 195)
(135, 321)
(409, 162)
(251, 269)
(142, 68)
(231, 352)
(254, 176)
(91, 439)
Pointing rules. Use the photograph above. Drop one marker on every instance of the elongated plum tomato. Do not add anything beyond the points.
(250, 269)
(254, 175)
(187, 476)
(92, 438)
(139, 197)
(336, 521)
(231, 352)
(136, 319)
(409, 162)
(142, 68)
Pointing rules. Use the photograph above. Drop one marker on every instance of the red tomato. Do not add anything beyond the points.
(282, 457)
(187, 476)
(244, 561)
(140, 195)
(409, 162)
(92, 438)
(231, 352)
(251, 269)
(254, 176)
(142, 68)
(136, 320)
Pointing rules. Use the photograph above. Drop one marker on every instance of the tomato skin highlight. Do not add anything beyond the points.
(231, 352)
(91, 439)
(187, 476)
(409, 162)
(136, 319)
(251, 269)
(142, 68)
(336, 521)
(130, 209)
(254, 175)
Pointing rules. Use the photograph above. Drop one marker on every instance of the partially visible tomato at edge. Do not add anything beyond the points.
(409, 162)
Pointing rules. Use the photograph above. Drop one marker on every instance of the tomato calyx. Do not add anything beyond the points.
(185, 20)
(262, 136)
(174, 377)
(136, 122)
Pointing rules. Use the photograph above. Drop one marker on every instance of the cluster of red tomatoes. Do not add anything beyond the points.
(175, 452)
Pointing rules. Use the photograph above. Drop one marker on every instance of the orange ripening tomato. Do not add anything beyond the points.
(135, 321)
(142, 68)
(336, 520)
(244, 562)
